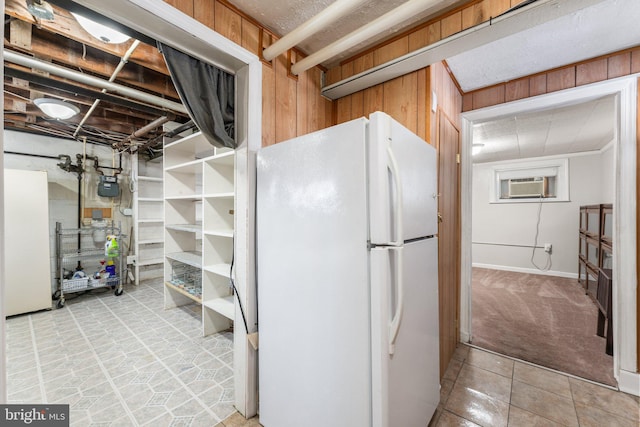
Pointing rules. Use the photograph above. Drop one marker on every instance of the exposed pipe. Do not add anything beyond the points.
(123, 60)
(42, 156)
(145, 129)
(30, 62)
(334, 11)
(375, 27)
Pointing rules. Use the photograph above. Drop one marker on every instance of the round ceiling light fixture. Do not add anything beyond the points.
(100, 31)
(56, 108)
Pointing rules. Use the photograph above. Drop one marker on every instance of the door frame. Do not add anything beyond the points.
(172, 27)
(624, 291)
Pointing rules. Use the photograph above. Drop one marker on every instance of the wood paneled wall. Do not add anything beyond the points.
(291, 106)
(594, 70)
(403, 98)
(466, 16)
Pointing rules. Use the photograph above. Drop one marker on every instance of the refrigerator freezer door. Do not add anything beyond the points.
(417, 171)
(313, 284)
(405, 384)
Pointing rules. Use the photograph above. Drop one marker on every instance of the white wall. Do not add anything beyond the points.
(63, 186)
(591, 181)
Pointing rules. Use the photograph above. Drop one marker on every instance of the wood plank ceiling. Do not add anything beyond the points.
(118, 121)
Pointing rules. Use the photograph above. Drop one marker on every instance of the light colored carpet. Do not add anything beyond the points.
(545, 320)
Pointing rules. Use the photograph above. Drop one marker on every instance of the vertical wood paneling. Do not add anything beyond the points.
(592, 71)
(373, 99)
(448, 238)
(185, 6)
(357, 105)
(422, 106)
(228, 23)
(389, 51)
(362, 63)
(250, 37)
(635, 61)
(467, 102)
(475, 14)
(538, 85)
(516, 90)
(490, 96)
(204, 11)
(400, 100)
(333, 75)
(563, 78)
(343, 109)
(347, 70)
(619, 65)
(302, 119)
(268, 105)
(451, 24)
(286, 100)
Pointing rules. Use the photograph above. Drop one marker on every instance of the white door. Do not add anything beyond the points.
(401, 165)
(313, 284)
(405, 360)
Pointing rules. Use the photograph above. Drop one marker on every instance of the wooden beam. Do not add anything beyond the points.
(65, 24)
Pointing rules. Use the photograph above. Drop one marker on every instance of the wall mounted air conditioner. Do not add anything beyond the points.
(528, 187)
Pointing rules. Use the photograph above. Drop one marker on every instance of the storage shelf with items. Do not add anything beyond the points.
(594, 219)
(148, 218)
(199, 208)
(85, 261)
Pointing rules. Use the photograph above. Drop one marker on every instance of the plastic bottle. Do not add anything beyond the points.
(111, 268)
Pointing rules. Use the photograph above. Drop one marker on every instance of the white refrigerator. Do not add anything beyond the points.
(347, 273)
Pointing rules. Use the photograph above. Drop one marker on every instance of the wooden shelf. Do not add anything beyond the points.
(189, 197)
(151, 241)
(150, 199)
(229, 195)
(181, 291)
(224, 306)
(150, 220)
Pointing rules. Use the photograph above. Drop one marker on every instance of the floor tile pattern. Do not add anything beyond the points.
(122, 361)
(481, 388)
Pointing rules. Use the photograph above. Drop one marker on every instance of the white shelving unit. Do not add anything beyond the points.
(148, 220)
(199, 207)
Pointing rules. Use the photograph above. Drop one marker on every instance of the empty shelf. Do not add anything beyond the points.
(190, 228)
(152, 261)
(222, 305)
(193, 258)
(219, 269)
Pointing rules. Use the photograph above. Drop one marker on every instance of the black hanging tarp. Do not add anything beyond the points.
(207, 93)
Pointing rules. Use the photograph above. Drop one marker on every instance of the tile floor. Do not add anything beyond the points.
(122, 361)
(484, 389)
(125, 361)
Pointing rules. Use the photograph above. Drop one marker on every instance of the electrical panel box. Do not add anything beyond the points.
(108, 186)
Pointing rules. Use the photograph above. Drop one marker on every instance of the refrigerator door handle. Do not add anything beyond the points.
(394, 325)
(392, 164)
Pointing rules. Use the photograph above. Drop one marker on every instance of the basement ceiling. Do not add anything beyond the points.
(109, 119)
(283, 16)
(579, 128)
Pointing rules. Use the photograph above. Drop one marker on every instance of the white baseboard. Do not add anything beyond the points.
(629, 382)
(527, 270)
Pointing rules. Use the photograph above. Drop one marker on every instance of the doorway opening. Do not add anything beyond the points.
(623, 92)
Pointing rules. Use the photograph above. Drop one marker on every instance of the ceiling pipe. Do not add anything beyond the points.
(123, 61)
(144, 130)
(27, 61)
(336, 10)
(372, 29)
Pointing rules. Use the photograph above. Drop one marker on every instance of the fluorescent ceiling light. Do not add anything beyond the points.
(476, 148)
(56, 109)
(99, 31)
